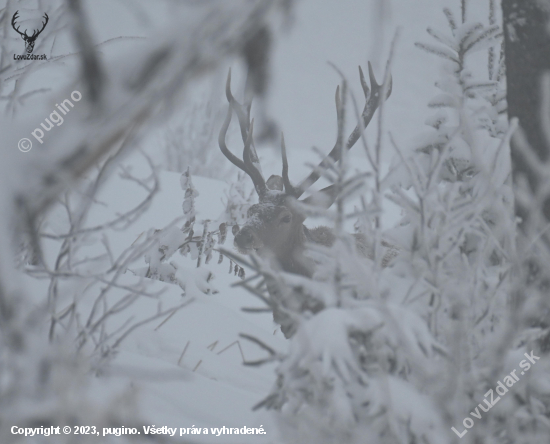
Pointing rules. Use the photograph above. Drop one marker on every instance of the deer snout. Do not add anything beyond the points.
(246, 239)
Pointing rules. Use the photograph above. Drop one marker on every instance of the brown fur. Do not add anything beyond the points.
(296, 262)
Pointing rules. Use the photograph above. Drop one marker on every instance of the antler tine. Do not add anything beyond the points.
(253, 172)
(244, 117)
(247, 155)
(223, 131)
(389, 88)
(376, 88)
(372, 97)
(289, 189)
(338, 101)
(372, 78)
(228, 88)
(43, 26)
(364, 85)
(247, 164)
(13, 19)
(223, 147)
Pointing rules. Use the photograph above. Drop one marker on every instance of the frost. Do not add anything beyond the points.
(443, 101)
(391, 333)
(440, 51)
(437, 120)
(448, 41)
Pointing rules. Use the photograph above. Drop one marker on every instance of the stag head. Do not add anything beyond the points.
(275, 224)
(29, 39)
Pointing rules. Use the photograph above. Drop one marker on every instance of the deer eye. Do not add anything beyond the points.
(286, 219)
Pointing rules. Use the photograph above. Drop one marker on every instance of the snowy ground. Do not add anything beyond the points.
(188, 366)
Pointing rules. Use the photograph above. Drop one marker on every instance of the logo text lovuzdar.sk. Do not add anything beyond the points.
(28, 39)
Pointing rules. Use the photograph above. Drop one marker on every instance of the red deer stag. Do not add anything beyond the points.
(275, 227)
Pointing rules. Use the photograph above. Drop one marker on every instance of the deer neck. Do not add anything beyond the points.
(293, 259)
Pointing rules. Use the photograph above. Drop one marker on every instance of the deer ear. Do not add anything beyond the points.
(275, 183)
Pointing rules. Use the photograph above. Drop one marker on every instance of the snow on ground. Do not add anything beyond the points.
(187, 366)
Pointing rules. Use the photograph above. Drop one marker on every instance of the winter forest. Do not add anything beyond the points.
(275, 221)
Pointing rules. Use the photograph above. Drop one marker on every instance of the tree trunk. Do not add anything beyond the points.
(527, 56)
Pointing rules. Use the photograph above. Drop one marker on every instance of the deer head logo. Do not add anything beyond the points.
(29, 39)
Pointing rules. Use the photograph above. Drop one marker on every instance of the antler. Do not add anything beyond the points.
(289, 189)
(35, 34)
(13, 19)
(372, 101)
(250, 158)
